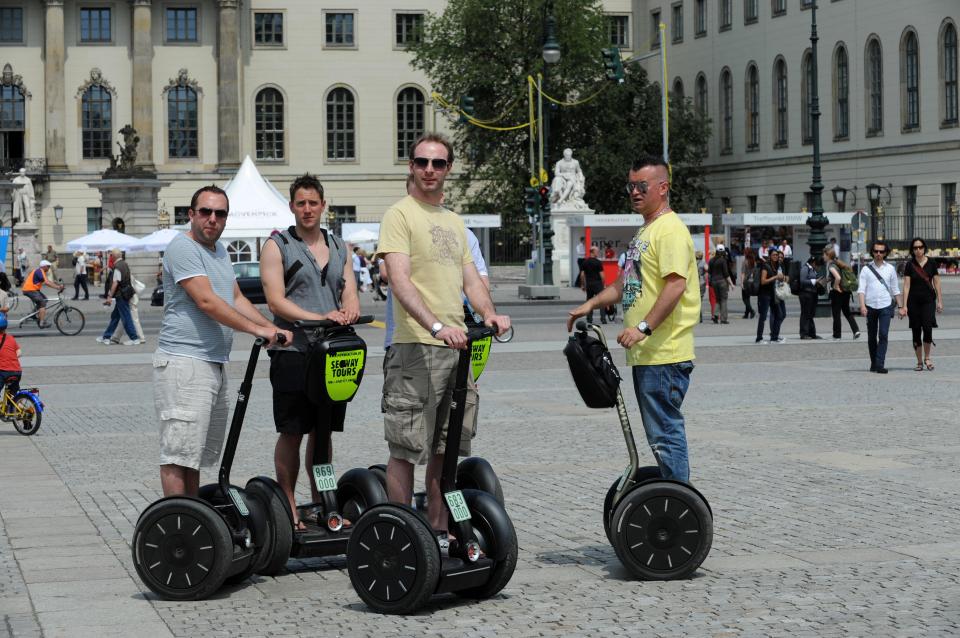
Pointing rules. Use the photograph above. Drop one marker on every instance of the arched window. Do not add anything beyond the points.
(341, 126)
(910, 76)
(806, 98)
(781, 129)
(12, 115)
(268, 108)
(701, 96)
(726, 111)
(678, 89)
(239, 251)
(841, 94)
(410, 120)
(753, 107)
(182, 122)
(874, 77)
(949, 73)
(97, 123)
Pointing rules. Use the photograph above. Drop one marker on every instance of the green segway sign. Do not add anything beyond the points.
(342, 374)
(479, 353)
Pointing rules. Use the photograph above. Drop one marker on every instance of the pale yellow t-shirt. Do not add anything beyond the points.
(436, 241)
(662, 247)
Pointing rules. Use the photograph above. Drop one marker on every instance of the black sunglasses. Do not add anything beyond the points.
(423, 162)
(881, 252)
(221, 213)
(919, 246)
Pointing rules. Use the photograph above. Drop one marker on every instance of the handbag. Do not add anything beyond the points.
(138, 286)
(781, 290)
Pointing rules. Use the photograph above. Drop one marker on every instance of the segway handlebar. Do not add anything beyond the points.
(581, 325)
(260, 341)
(475, 334)
(328, 323)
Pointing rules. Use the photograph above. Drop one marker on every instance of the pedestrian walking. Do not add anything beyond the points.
(80, 275)
(748, 272)
(922, 300)
(771, 275)
(702, 276)
(120, 290)
(203, 306)
(591, 280)
(809, 294)
(719, 276)
(837, 273)
(661, 305)
(879, 291)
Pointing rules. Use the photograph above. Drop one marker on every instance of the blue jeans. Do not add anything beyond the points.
(777, 312)
(121, 312)
(878, 325)
(660, 390)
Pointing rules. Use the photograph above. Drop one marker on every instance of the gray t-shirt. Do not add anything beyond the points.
(186, 330)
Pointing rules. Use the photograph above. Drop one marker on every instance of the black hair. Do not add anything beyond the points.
(649, 160)
(912, 242)
(307, 181)
(212, 188)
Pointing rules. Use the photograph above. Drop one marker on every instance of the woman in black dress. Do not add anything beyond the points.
(922, 300)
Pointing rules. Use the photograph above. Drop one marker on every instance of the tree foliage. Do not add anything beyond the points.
(487, 48)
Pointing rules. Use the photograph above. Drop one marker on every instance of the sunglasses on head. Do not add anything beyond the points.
(423, 162)
(221, 213)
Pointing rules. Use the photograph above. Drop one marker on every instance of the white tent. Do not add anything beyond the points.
(103, 239)
(154, 242)
(256, 207)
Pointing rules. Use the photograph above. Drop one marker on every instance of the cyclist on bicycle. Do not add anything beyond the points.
(33, 289)
(9, 358)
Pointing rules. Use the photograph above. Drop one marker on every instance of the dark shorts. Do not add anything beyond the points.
(293, 411)
(37, 297)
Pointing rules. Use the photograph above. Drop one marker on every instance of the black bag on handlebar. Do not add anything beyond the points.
(334, 365)
(593, 370)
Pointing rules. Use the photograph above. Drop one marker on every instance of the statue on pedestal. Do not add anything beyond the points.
(569, 185)
(24, 198)
(125, 164)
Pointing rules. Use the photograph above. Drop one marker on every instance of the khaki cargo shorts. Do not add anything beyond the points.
(191, 401)
(418, 383)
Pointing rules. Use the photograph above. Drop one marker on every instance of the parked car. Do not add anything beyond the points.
(248, 278)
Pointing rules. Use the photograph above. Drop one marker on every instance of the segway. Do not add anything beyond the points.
(185, 548)
(333, 374)
(393, 557)
(660, 529)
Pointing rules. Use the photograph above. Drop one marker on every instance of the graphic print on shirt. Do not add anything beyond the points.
(445, 248)
(632, 277)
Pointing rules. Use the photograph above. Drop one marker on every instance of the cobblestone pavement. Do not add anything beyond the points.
(834, 493)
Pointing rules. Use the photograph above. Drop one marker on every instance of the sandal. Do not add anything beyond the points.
(928, 363)
(919, 367)
(299, 526)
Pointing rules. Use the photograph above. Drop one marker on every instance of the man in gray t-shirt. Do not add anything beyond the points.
(204, 306)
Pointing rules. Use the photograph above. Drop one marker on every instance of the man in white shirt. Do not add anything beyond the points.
(879, 289)
(786, 250)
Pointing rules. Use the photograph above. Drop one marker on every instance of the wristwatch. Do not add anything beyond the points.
(645, 328)
(435, 328)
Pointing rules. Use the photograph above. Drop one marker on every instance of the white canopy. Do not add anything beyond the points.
(362, 236)
(256, 207)
(154, 242)
(103, 239)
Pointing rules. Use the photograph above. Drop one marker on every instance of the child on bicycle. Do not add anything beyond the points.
(10, 370)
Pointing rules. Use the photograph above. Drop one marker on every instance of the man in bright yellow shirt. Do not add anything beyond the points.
(660, 291)
(425, 248)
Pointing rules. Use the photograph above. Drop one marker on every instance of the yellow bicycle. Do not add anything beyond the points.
(22, 407)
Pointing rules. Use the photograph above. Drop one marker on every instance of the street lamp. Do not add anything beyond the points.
(58, 212)
(551, 56)
(840, 196)
(817, 220)
(877, 226)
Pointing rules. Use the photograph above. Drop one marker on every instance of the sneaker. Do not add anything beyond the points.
(45, 324)
(759, 340)
(856, 335)
(781, 339)
(103, 340)
(132, 342)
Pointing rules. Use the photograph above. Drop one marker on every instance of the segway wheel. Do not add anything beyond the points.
(643, 474)
(497, 539)
(279, 541)
(475, 473)
(662, 531)
(393, 559)
(182, 549)
(357, 491)
(380, 471)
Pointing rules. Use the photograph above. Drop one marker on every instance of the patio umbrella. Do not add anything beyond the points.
(103, 239)
(154, 242)
(362, 236)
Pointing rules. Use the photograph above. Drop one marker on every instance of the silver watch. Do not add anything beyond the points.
(644, 327)
(435, 328)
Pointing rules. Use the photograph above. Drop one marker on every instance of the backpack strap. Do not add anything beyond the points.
(880, 279)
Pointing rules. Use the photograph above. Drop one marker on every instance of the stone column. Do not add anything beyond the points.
(54, 98)
(143, 80)
(228, 85)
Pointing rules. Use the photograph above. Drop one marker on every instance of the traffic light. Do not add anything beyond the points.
(544, 194)
(613, 64)
(466, 108)
(531, 202)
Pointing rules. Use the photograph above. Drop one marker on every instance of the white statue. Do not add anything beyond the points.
(568, 186)
(24, 198)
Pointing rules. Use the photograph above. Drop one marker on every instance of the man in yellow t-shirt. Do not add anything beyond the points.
(660, 291)
(425, 248)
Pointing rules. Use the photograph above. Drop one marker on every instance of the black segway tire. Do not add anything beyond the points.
(357, 491)
(645, 473)
(256, 521)
(279, 541)
(182, 549)
(497, 538)
(393, 559)
(662, 530)
(475, 473)
(380, 471)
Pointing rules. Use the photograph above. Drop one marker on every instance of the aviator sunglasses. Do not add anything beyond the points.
(221, 213)
(423, 162)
